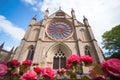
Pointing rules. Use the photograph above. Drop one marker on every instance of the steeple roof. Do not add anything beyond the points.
(59, 14)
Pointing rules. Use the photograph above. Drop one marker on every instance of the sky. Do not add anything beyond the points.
(15, 16)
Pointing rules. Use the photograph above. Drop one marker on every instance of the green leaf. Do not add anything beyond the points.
(98, 69)
(111, 40)
(85, 78)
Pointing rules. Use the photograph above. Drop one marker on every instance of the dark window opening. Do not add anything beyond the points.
(59, 60)
(87, 52)
(30, 54)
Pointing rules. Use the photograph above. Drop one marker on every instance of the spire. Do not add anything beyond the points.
(73, 13)
(72, 9)
(47, 10)
(33, 21)
(59, 7)
(85, 20)
(12, 49)
(34, 17)
(59, 10)
(1, 46)
(46, 13)
(12, 53)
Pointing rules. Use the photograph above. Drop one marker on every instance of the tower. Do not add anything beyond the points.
(4, 54)
(50, 41)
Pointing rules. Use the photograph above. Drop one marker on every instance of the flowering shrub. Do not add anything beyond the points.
(14, 70)
(29, 75)
(99, 77)
(87, 59)
(61, 71)
(97, 73)
(48, 72)
(3, 70)
(27, 63)
(112, 68)
(38, 70)
(73, 59)
(14, 63)
(68, 66)
(108, 70)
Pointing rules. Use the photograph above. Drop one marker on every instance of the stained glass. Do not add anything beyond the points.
(59, 30)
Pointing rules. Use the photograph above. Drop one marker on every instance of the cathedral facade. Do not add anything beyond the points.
(50, 41)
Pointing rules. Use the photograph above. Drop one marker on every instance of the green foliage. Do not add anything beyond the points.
(97, 70)
(85, 78)
(111, 40)
(115, 55)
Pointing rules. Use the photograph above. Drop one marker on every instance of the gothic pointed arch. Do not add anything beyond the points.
(34, 33)
(30, 53)
(87, 50)
(82, 31)
(57, 55)
(85, 34)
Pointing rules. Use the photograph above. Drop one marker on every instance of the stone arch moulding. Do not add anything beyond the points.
(55, 48)
(31, 46)
(89, 49)
(27, 50)
(82, 31)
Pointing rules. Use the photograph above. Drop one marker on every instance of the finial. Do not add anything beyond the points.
(33, 21)
(46, 13)
(34, 17)
(12, 49)
(1, 46)
(47, 10)
(84, 18)
(59, 7)
(73, 13)
(72, 9)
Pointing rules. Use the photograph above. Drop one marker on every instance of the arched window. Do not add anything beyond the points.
(30, 54)
(87, 52)
(59, 60)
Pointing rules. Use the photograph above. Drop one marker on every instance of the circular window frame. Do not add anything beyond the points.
(51, 37)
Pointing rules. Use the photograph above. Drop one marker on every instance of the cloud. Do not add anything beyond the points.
(31, 2)
(102, 14)
(8, 48)
(34, 8)
(11, 29)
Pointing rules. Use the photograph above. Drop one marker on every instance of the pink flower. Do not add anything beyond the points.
(14, 63)
(3, 70)
(61, 71)
(68, 66)
(112, 67)
(29, 75)
(87, 59)
(99, 77)
(91, 71)
(48, 73)
(3, 63)
(73, 59)
(38, 69)
(14, 73)
(27, 63)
